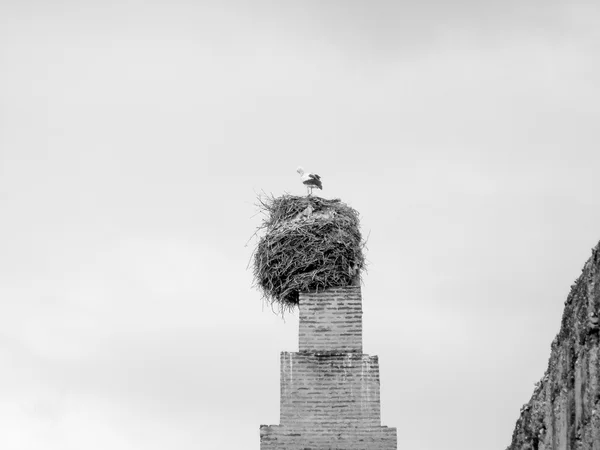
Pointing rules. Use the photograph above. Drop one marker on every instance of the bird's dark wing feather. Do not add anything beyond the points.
(314, 180)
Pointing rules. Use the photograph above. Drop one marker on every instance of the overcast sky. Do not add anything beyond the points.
(134, 137)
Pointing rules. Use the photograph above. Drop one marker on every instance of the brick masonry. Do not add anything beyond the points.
(331, 321)
(330, 397)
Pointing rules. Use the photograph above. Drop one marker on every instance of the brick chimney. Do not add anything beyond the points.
(330, 388)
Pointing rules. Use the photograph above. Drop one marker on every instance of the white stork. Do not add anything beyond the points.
(310, 180)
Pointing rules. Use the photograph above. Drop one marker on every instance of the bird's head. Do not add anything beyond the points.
(300, 170)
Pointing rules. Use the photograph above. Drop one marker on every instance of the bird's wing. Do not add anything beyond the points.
(314, 176)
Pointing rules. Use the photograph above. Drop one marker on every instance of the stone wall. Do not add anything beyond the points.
(330, 396)
(564, 410)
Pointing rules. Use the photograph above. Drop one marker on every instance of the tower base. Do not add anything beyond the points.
(279, 437)
(330, 389)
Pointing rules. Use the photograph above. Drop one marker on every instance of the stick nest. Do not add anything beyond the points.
(309, 244)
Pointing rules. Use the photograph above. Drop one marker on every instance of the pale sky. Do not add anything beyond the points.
(134, 137)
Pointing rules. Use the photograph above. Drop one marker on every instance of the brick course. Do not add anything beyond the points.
(278, 437)
(330, 396)
(332, 389)
(331, 320)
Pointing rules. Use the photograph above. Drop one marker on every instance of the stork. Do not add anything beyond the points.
(310, 180)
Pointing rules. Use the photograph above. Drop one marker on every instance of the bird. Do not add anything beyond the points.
(310, 180)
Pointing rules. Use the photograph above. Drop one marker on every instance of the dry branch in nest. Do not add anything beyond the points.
(309, 244)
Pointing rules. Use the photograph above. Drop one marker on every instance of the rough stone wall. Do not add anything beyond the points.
(564, 410)
(330, 396)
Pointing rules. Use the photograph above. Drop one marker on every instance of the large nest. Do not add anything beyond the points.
(309, 244)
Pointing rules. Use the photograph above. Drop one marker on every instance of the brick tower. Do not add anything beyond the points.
(329, 389)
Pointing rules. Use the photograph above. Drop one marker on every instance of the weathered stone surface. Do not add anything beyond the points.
(564, 410)
(330, 396)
